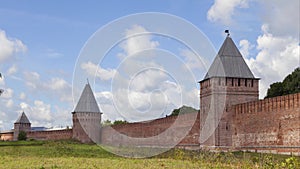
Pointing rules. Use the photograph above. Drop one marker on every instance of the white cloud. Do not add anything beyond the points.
(32, 79)
(94, 70)
(245, 47)
(22, 96)
(59, 88)
(55, 87)
(9, 47)
(277, 57)
(8, 93)
(147, 80)
(193, 61)
(40, 111)
(104, 97)
(57, 84)
(282, 18)
(145, 85)
(51, 53)
(12, 70)
(9, 103)
(222, 11)
(138, 39)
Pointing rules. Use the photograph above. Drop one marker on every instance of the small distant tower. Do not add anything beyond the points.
(87, 118)
(229, 81)
(22, 124)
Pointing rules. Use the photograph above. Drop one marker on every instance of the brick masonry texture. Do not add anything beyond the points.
(182, 129)
(50, 134)
(269, 122)
(264, 125)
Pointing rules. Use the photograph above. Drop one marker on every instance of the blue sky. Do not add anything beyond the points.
(41, 40)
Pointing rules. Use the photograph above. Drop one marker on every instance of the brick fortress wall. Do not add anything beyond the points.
(269, 123)
(163, 131)
(50, 134)
(272, 122)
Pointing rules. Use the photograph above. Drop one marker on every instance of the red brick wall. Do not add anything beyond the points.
(50, 135)
(268, 122)
(8, 136)
(183, 128)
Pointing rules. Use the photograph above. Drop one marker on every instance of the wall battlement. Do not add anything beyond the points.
(268, 105)
(272, 122)
(50, 134)
(169, 128)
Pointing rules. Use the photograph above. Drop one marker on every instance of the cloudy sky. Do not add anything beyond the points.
(45, 49)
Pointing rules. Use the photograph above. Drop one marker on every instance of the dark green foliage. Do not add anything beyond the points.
(106, 123)
(183, 110)
(119, 122)
(22, 135)
(290, 85)
(276, 89)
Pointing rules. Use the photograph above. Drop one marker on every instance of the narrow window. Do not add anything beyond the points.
(246, 82)
(252, 83)
(239, 82)
(219, 81)
(226, 81)
(232, 82)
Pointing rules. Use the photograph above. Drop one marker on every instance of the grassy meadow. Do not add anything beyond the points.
(71, 154)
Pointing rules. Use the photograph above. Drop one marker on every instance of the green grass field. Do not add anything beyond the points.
(70, 154)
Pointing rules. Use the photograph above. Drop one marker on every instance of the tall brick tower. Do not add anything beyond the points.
(87, 118)
(229, 81)
(22, 124)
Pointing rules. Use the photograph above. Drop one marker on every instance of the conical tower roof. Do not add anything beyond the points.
(229, 62)
(22, 119)
(87, 102)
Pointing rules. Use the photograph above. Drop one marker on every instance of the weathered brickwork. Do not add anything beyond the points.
(269, 125)
(7, 136)
(269, 122)
(50, 134)
(217, 95)
(20, 127)
(183, 129)
(86, 127)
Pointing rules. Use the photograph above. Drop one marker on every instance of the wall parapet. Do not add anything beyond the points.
(50, 134)
(270, 104)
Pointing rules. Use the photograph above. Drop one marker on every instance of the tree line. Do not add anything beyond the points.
(290, 85)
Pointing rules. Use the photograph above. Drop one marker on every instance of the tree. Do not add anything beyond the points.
(22, 135)
(276, 89)
(119, 122)
(290, 85)
(183, 110)
(106, 123)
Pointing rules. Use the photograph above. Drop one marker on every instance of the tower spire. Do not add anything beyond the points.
(87, 101)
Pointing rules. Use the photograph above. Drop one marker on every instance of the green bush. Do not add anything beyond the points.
(22, 135)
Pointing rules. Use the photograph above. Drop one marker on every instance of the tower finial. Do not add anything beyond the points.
(87, 79)
(227, 31)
